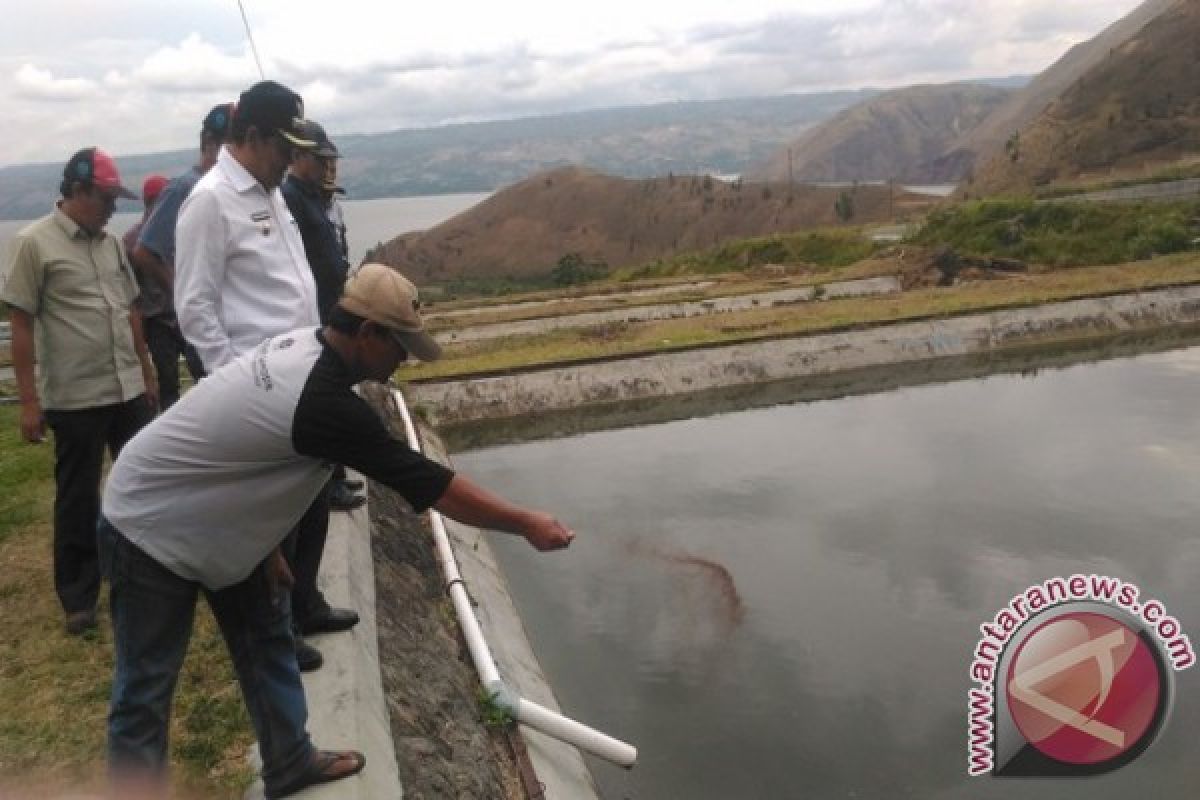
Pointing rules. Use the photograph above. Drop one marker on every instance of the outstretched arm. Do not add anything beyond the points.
(471, 504)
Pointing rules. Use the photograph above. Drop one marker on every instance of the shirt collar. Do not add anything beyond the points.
(70, 227)
(241, 179)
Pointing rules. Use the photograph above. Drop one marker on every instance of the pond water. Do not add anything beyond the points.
(784, 602)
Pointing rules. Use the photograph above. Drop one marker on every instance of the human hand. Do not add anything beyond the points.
(33, 424)
(279, 574)
(546, 533)
(152, 393)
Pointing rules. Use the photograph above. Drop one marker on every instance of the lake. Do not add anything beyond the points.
(368, 222)
(784, 602)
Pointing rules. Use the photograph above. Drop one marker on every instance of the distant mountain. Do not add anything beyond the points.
(1138, 107)
(987, 139)
(720, 136)
(525, 229)
(894, 135)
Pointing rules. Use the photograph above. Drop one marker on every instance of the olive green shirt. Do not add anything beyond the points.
(79, 290)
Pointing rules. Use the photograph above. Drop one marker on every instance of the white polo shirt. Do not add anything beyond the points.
(240, 271)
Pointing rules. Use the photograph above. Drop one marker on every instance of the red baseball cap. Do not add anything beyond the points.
(96, 167)
(151, 188)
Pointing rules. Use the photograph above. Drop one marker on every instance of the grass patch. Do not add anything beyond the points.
(54, 688)
(1063, 234)
(565, 346)
(820, 249)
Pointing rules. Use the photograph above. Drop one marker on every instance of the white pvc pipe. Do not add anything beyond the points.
(525, 711)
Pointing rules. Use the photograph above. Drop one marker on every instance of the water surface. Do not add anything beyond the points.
(782, 603)
(368, 222)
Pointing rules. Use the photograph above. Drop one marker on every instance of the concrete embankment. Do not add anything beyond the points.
(887, 284)
(839, 362)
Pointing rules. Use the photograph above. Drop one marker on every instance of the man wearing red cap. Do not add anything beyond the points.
(70, 293)
(152, 187)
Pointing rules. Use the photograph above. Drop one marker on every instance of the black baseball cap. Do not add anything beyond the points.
(272, 108)
(315, 133)
(217, 122)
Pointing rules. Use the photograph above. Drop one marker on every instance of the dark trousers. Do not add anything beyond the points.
(152, 613)
(303, 549)
(80, 439)
(166, 344)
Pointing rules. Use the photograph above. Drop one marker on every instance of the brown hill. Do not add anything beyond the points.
(894, 135)
(1140, 106)
(986, 140)
(525, 229)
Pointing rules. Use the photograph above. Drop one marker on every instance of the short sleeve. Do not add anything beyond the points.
(24, 276)
(339, 427)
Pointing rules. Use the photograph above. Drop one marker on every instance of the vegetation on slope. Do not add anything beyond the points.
(1063, 234)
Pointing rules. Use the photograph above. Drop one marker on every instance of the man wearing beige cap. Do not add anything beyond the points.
(70, 292)
(201, 499)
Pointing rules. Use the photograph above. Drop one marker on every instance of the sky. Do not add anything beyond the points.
(136, 76)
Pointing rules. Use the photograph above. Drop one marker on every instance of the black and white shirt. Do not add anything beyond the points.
(212, 486)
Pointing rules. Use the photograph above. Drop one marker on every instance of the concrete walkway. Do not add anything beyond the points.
(346, 705)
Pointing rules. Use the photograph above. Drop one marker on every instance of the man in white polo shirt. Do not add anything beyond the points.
(240, 270)
(201, 499)
(242, 276)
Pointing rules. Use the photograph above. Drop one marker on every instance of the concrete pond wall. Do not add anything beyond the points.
(834, 362)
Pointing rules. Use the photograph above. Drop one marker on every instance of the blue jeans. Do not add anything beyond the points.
(152, 613)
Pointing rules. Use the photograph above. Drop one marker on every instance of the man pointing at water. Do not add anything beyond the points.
(201, 499)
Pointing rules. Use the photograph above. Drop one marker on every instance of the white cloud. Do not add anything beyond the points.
(40, 84)
(195, 65)
(142, 75)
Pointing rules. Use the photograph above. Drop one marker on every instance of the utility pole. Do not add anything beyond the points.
(791, 175)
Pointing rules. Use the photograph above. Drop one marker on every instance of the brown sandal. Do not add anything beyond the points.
(320, 770)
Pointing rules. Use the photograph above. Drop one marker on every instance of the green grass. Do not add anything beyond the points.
(1063, 234)
(54, 688)
(820, 249)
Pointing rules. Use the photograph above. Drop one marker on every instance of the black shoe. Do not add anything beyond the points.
(329, 620)
(353, 485)
(342, 499)
(308, 657)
